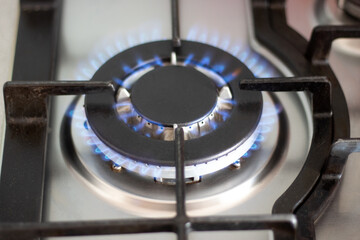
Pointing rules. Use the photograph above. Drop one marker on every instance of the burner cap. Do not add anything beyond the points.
(174, 95)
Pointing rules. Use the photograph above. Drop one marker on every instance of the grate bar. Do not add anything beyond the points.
(325, 190)
(321, 141)
(175, 23)
(180, 172)
(318, 86)
(181, 218)
(26, 102)
(284, 224)
(304, 59)
(21, 231)
(322, 37)
(260, 222)
(22, 181)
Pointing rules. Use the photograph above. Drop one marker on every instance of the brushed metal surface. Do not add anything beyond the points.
(85, 28)
(69, 196)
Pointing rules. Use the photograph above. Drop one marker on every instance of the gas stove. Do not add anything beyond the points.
(182, 120)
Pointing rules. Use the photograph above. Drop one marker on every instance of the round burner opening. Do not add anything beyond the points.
(174, 95)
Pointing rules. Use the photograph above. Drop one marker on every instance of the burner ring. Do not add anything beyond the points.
(207, 122)
(239, 126)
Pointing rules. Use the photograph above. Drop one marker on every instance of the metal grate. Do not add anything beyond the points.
(20, 216)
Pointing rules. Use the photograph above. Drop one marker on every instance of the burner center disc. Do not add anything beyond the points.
(174, 95)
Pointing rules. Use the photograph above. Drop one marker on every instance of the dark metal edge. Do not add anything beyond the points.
(22, 181)
(271, 30)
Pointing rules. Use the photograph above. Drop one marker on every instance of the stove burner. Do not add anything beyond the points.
(172, 95)
(125, 185)
(208, 122)
(213, 150)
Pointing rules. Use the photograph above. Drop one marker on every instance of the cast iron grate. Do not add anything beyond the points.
(294, 213)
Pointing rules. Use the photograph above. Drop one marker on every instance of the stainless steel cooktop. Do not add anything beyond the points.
(89, 189)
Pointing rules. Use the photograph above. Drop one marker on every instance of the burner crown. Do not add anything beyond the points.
(172, 95)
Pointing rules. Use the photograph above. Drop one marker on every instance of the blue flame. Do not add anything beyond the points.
(244, 55)
(259, 69)
(118, 81)
(192, 34)
(143, 37)
(219, 68)
(110, 50)
(122, 104)
(127, 69)
(253, 61)
(139, 126)
(188, 59)
(159, 130)
(224, 114)
(70, 113)
(140, 62)
(205, 61)
(214, 40)
(267, 123)
(101, 57)
(144, 169)
(203, 37)
(254, 147)
(214, 125)
(228, 78)
(225, 44)
(131, 40)
(95, 64)
(229, 101)
(260, 138)
(235, 50)
(126, 116)
(158, 61)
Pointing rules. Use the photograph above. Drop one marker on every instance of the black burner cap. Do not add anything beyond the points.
(174, 95)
